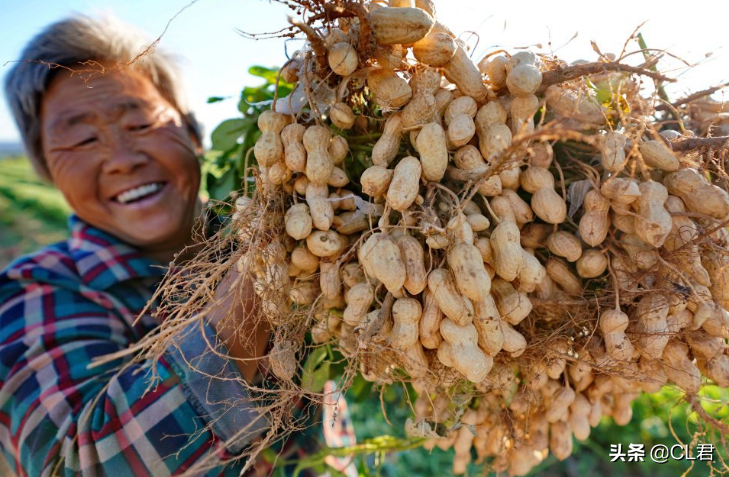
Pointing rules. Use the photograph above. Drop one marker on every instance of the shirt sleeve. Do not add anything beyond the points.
(58, 416)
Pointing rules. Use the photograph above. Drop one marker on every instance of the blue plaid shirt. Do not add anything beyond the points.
(71, 302)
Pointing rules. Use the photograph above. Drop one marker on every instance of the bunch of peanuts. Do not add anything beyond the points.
(429, 263)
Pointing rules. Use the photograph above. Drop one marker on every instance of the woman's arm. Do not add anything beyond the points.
(59, 416)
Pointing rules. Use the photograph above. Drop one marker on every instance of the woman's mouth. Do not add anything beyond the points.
(139, 193)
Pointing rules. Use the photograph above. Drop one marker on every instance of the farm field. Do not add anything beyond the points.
(32, 214)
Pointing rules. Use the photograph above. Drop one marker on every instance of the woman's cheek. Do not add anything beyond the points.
(173, 142)
(76, 181)
(176, 153)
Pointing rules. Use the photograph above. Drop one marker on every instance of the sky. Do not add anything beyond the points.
(215, 57)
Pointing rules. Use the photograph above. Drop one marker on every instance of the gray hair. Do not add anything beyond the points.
(71, 43)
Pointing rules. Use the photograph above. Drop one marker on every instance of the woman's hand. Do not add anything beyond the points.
(233, 316)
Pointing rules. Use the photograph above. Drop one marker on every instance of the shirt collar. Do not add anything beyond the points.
(103, 260)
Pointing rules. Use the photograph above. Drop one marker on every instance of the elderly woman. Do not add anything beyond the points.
(118, 140)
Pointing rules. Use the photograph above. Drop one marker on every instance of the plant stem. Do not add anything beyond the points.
(659, 85)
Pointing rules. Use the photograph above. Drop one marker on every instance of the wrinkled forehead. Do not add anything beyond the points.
(72, 99)
(75, 115)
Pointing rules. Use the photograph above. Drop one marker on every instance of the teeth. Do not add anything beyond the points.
(137, 192)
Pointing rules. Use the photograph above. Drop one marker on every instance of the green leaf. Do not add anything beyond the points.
(225, 136)
(314, 381)
(215, 99)
(360, 389)
(251, 96)
(284, 89)
(228, 158)
(312, 377)
(250, 141)
(240, 162)
(392, 394)
(315, 358)
(219, 188)
(269, 74)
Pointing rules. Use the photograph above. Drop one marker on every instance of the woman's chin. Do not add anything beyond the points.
(157, 222)
(160, 235)
(159, 230)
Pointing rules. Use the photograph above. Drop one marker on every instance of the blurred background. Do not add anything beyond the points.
(217, 63)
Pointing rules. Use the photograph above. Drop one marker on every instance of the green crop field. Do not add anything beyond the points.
(32, 214)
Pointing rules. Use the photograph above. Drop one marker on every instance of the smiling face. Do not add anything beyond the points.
(123, 158)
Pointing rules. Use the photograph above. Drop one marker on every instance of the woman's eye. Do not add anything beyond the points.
(140, 127)
(85, 142)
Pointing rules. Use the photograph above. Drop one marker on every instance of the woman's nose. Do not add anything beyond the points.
(123, 156)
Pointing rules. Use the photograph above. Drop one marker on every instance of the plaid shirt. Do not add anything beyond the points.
(71, 302)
